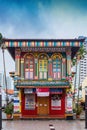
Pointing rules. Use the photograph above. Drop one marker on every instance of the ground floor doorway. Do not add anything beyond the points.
(37, 105)
(42, 105)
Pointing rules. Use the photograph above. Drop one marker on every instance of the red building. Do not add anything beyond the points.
(42, 76)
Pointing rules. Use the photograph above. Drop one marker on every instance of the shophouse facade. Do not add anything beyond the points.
(42, 76)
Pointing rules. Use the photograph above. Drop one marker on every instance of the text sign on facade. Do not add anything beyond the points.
(28, 90)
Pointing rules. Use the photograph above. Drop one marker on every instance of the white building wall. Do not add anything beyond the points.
(83, 65)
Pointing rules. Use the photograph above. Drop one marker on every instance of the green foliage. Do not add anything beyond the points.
(82, 52)
(79, 110)
(74, 60)
(1, 39)
(0, 36)
(9, 108)
(74, 110)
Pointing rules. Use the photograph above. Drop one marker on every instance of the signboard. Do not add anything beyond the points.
(56, 104)
(16, 102)
(42, 92)
(16, 106)
(28, 90)
(69, 104)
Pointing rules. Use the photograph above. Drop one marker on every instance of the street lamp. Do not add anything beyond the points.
(3, 47)
(86, 107)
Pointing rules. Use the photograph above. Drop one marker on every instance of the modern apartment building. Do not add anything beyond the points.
(83, 65)
(81, 70)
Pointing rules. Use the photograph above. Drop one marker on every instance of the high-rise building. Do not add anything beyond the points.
(81, 70)
(83, 65)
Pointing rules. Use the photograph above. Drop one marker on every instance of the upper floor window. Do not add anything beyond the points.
(29, 67)
(43, 65)
(57, 70)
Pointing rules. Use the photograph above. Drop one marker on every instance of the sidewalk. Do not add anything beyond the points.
(43, 125)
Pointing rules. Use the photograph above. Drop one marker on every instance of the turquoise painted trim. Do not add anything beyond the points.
(63, 43)
(36, 83)
(54, 44)
(46, 44)
(28, 44)
(80, 43)
(39, 44)
(71, 43)
(36, 43)
(11, 44)
(20, 44)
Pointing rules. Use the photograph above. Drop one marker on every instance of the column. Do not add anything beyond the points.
(22, 68)
(20, 93)
(17, 62)
(49, 69)
(36, 68)
(68, 53)
(63, 68)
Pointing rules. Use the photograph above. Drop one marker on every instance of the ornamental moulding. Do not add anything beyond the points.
(43, 83)
(47, 49)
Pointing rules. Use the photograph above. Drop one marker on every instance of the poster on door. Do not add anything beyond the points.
(29, 102)
(56, 104)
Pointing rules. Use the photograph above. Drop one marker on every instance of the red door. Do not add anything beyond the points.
(57, 104)
(28, 104)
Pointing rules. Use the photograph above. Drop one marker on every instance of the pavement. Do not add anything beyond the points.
(43, 125)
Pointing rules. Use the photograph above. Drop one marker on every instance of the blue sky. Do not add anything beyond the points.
(43, 19)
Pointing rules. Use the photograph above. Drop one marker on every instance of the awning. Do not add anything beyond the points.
(56, 91)
(42, 92)
(44, 84)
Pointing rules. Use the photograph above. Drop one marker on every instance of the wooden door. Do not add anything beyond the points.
(43, 105)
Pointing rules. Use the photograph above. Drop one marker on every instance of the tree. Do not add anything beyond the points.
(81, 53)
(1, 40)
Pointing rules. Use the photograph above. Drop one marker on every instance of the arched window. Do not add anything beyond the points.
(43, 66)
(56, 66)
(29, 67)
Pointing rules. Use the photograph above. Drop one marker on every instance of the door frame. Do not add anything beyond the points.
(42, 104)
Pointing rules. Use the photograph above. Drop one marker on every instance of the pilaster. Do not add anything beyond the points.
(17, 61)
